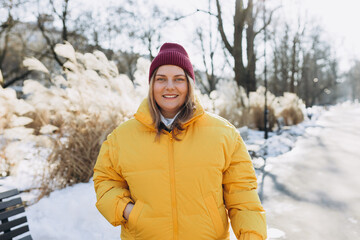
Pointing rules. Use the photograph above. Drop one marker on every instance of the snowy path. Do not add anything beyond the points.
(313, 191)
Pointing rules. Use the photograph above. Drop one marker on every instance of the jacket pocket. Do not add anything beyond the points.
(134, 216)
(214, 214)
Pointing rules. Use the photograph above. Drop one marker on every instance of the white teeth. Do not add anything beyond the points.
(170, 96)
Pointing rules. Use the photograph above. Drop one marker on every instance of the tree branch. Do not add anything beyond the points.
(221, 29)
(207, 12)
(184, 16)
(3, 54)
(268, 22)
(17, 78)
(6, 27)
(54, 9)
(201, 82)
(200, 35)
(48, 41)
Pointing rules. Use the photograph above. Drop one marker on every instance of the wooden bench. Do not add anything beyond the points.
(12, 206)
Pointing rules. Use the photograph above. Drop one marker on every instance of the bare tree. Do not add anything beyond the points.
(25, 39)
(251, 33)
(295, 61)
(208, 44)
(285, 59)
(5, 29)
(244, 19)
(353, 79)
(44, 19)
(12, 48)
(126, 63)
(211, 80)
(305, 79)
(274, 81)
(142, 25)
(319, 72)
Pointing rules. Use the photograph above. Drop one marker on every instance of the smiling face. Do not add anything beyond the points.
(170, 89)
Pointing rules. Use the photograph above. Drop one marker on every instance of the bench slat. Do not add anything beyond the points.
(13, 223)
(9, 193)
(10, 203)
(7, 231)
(7, 214)
(14, 233)
(26, 238)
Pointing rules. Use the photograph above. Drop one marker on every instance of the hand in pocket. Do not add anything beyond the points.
(128, 210)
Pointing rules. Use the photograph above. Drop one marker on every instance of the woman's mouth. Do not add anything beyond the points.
(170, 96)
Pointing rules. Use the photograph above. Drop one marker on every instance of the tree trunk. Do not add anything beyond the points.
(244, 75)
(239, 22)
(63, 20)
(275, 80)
(305, 79)
(293, 65)
(250, 51)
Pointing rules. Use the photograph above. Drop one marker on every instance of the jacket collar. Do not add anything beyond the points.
(143, 114)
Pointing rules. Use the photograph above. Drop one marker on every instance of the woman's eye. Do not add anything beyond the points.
(179, 79)
(160, 79)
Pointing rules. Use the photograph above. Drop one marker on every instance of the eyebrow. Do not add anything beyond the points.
(178, 75)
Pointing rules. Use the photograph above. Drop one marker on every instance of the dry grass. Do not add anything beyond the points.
(257, 115)
(257, 102)
(75, 152)
(238, 117)
(42, 117)
(292, 115)
(5, 166)
(4, 122)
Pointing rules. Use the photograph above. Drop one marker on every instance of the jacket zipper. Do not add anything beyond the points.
(172, 186)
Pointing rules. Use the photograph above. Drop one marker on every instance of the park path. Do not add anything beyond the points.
(313, 191)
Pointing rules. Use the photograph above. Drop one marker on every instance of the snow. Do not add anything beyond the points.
(311, 192)
(70, 213)
(274, 233)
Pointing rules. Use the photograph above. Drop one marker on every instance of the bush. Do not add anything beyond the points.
(85, 107)
(257, 108)
(291, 109)
(75, 114)
(231, 102)
(13, 122)
(75, 151)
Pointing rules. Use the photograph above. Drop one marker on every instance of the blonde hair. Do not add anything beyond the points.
(186, 111)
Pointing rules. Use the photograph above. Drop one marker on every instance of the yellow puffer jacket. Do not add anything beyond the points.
(182, 190)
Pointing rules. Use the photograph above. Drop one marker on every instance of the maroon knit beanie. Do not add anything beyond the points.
(172, 54)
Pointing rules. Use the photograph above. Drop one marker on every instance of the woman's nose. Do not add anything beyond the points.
(170, 84)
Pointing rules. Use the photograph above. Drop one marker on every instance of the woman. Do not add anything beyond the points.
(175, 171)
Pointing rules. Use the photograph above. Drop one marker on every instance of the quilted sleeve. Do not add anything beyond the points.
(245, 211)
(112, 191)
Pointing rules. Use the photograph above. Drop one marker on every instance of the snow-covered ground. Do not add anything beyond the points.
(312, 192)
(71, 214)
